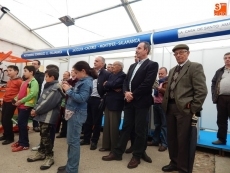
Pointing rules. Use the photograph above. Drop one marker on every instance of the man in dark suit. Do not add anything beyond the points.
(184, 97)
(39, 76)
(137, 88)
(114, 104)
(92, 126)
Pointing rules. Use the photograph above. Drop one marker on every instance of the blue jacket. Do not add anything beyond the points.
(79, 95)
(115, 100)
(102, 77)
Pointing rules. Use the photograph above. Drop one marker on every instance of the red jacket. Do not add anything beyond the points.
(12, 89)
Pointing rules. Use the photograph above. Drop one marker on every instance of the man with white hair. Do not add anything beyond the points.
(137, 89)
(92, 126)
(114, 104)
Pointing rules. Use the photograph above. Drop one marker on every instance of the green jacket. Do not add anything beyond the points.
(32, 93)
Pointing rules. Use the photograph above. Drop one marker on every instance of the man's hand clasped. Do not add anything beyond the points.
(33, 113)
(128, 96)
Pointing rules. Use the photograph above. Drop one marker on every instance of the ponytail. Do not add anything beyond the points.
(93, 73)
(80, 65)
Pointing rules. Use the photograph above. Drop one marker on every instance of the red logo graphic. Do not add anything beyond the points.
(220, 9)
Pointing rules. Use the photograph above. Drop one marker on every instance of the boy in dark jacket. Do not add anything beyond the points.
(46, 112)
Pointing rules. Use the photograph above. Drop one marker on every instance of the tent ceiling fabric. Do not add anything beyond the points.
(150, 14)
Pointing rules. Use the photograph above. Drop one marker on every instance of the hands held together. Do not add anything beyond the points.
(66, 86)
(33, 113)
(128, 96)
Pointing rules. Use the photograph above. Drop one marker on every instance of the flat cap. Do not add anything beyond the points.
(180, 46)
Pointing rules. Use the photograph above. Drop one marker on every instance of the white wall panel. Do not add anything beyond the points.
(73, 60)
(127, 62)
(16, 51)
(62, 68)
(6, 47)
(212, 61)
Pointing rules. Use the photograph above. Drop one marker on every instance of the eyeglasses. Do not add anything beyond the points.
(180, 52)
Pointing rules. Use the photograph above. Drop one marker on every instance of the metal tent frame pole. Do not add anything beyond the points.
(89, 14)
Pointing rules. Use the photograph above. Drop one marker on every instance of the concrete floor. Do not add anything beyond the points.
(91, 160)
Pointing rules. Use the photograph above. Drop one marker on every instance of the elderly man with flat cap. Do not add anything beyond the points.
(184, 97)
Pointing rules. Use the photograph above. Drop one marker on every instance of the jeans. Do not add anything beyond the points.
(160, 132)
(23, 117)
(7, 114)
(74, 126)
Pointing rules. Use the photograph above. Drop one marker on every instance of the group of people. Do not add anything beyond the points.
(23, 94)
(177, 99)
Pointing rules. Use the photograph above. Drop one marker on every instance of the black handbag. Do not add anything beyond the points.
(101, 106)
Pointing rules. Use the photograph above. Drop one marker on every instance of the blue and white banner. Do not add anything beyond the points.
(198, 31)
(205, 30)
(45, 54)
(117, 44)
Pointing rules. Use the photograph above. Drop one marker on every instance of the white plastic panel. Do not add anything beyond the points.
(212, 61)
(127, 62)
(47, 62)
(62, 68)
(73, 60)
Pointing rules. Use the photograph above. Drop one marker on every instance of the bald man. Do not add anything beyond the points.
(92, 126)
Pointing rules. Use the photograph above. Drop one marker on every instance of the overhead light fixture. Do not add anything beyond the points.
(4, 11)
(67, 20)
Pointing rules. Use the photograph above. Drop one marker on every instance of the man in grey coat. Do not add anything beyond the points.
(183, 98)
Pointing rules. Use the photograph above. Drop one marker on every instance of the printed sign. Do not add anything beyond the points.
(124, 43)
(204, 29)
(45, 53)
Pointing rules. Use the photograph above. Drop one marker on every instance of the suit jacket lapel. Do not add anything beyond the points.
(131, 71)
(183, 71)
(171, 75)
(140, 68)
